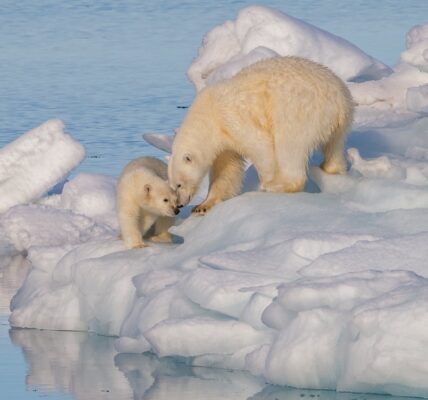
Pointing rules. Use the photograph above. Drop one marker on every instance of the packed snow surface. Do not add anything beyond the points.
(325, 289)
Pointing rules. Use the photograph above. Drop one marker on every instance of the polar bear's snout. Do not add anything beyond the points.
(184, 198)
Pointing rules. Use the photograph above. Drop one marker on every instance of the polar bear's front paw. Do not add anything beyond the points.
(204, 207)
(200, 210)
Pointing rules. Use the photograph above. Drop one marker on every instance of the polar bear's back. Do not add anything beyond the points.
(269, 89)
(283, 80)
(289, 71)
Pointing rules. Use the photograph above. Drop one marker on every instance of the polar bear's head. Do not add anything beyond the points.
(185, 173)
(159, 199)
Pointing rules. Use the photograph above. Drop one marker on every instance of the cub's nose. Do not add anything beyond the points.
(176, 210)
(180, 206)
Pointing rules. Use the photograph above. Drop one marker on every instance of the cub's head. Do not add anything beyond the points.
(185, 173)
(159, 199)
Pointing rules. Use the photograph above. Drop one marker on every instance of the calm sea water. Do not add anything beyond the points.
(111, 71)
(115, 69)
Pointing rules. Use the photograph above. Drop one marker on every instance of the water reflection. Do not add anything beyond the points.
(77, 363)
(153, 378)
(87, 367)
(14, 268)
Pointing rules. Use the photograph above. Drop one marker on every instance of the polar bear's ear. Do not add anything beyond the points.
(147, 188)
(187, 158)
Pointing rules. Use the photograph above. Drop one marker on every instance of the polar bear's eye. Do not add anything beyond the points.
(179, 186)
(165, 200)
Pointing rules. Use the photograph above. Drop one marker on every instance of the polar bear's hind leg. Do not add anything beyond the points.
(333, 151)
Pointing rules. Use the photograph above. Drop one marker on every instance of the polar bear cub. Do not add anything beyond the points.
(274, 113)
(145, 200)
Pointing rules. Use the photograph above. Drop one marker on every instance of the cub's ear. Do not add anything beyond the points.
(187, 158)
(147, 189)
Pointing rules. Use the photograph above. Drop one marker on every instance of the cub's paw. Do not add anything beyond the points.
(162, 238)
(138, 245)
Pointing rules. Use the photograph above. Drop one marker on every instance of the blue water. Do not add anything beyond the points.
(111, 71)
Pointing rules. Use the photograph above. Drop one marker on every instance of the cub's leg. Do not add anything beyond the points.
(130, 229)
(225, 180)
(147, 220)
(162, 225)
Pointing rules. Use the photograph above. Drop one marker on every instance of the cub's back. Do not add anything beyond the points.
(151, 164)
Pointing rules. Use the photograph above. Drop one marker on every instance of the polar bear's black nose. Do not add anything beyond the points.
(180, 206)
(176, 210)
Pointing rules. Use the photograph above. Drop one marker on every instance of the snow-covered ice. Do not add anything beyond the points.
(35, 162)
(260, 32)
(325, 289)
(406, 88)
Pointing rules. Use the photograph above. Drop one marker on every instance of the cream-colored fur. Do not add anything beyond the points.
(144, 199)
(274, 113)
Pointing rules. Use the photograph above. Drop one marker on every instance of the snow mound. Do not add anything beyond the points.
(36, 225)
(35, 162)
(406, 88)
(92, 195)
(379, 185)
(260, 32)
(417, 45)
(84, 211)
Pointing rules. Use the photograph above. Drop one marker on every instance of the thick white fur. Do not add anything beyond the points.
(141, 193)
(274, 113)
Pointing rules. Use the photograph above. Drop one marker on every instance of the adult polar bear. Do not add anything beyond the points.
(274, 113)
